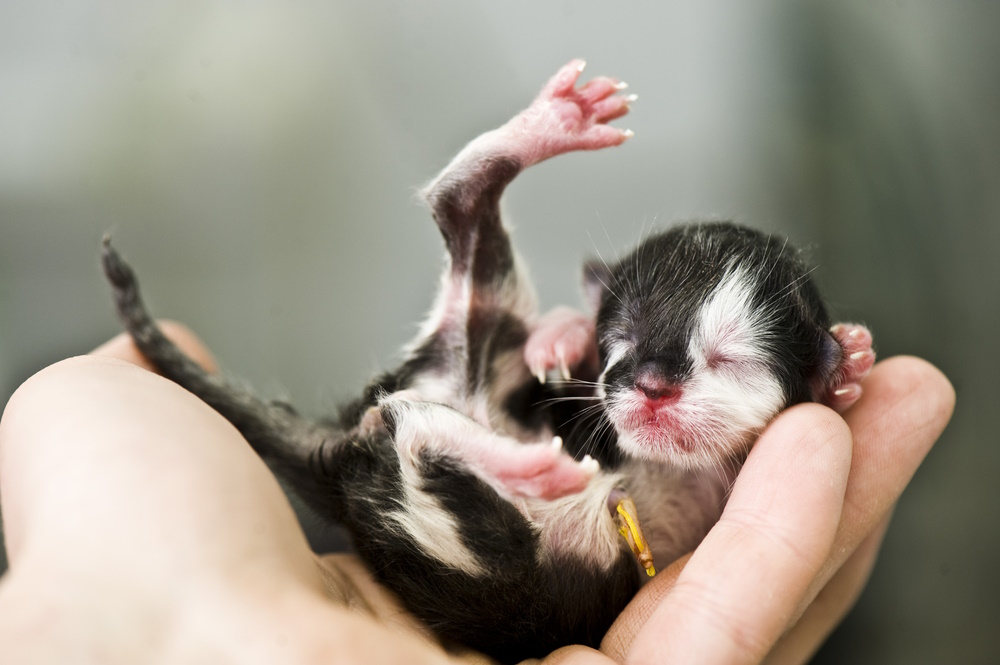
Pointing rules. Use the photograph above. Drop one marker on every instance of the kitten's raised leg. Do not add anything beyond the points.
(474, 335)
(470, 354)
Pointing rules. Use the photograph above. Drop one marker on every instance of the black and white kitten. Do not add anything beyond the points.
(468, 488)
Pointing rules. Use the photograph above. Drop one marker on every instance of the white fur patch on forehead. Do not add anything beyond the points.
(730, 328)
(729, 396)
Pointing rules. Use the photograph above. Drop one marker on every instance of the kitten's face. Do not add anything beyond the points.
(695, 399)
(702, 347)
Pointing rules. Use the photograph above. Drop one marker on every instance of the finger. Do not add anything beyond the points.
(831, 605)
(82, 434)
(905, 406)
(743, 584)
(573, 655)
(122, 347)
(619, 638)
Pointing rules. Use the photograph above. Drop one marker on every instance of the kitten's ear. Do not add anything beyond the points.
(596, 278)
(830, 356)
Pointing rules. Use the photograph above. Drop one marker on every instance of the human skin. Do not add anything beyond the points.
(141, 528)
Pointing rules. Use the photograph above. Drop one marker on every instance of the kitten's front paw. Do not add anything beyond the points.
(844, 388)
(563, 341)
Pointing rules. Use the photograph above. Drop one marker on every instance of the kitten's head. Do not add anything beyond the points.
(706, 332)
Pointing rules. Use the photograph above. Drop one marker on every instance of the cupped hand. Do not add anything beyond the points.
(793, 549)
(799, 535)
(786, 561)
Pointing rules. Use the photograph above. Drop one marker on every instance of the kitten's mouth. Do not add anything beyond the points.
(638, 412)
(657, 430)
(660, 421)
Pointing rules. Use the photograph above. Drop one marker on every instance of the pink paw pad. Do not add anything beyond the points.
(856, 362)
(542, 470)
(562, 340)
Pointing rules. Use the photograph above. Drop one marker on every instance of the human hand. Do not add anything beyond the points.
(798, 537)
(142, 528)
(786, 561)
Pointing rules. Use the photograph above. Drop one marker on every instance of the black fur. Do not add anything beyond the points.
(348, 471)
(525, 602)
(653, 296)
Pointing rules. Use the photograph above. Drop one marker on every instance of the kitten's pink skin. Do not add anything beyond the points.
(561, 119)
(564, 341)
(512, 467)
(845, 387)
(539, 470)
(564, 118)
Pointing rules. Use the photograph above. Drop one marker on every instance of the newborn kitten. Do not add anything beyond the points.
(445, 471)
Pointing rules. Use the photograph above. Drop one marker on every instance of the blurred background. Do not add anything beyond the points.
(257, 163)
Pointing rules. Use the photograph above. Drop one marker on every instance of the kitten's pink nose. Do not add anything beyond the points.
(656, 389)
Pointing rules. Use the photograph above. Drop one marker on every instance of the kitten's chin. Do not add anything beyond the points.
(667, 442)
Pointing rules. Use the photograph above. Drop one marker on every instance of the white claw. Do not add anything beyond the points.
(621, 85)
(857, 355)
(841, 391)
(628, 133)
(590, 464)
(631, 98)
(540, 375)
(557, 442)
(581, 66)
(564, 369)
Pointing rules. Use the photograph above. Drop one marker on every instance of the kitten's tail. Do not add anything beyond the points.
(274, 430)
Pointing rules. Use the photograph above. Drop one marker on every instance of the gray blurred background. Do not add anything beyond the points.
(257, 163)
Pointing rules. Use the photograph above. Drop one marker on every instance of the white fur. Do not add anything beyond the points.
(729, 396)
(578, 525)
(616, 352)
(433, 528)
(740, 391)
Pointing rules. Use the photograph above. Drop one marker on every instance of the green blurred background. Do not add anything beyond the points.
(257, 162)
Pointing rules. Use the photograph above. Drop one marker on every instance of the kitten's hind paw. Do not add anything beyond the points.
(544, 471)
(564, 117)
